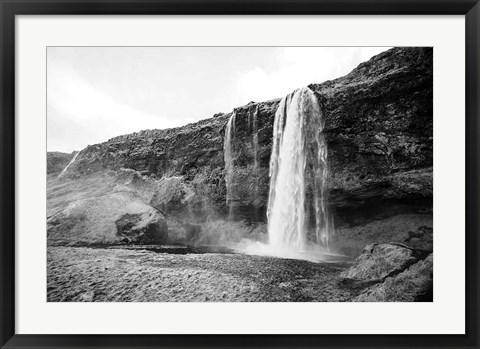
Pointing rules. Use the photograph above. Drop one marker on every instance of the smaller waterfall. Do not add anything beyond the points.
(256, 163)
(323, 222)
(72, 160)
(228, 158)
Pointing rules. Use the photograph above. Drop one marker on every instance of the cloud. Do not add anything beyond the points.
(297, 67)
(93, 115)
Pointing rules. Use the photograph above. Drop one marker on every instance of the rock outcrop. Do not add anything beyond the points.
(104, 208)
(379, 261)
(414, 284)
(108, 219)
(391, 273)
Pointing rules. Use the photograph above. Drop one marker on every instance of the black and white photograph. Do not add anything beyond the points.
(239, 174)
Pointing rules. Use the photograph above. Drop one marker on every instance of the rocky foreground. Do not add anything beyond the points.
(384, 272)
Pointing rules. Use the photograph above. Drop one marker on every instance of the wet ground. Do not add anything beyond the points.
(177, 274)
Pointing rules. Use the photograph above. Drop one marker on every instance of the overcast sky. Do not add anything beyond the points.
(95, 93)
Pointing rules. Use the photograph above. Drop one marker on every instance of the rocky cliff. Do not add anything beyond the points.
(378, 123)
(378, 127)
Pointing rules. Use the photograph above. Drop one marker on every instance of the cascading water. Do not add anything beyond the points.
(72, 160)
(298, 164)
(228, 157)
(256, 164)
(319, 172)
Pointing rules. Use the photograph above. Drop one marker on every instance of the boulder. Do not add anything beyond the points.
(144, 228)
(415, 284)
(379, 261)
(112, 218)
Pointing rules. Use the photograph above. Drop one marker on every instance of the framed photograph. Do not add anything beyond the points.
(239, 174)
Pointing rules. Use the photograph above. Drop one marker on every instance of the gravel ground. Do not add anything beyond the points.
(84, 274)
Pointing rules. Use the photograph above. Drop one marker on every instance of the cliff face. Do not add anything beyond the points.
(378, 127)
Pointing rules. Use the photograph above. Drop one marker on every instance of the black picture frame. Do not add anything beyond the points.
(10, 8)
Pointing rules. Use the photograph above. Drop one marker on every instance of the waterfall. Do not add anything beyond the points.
(228, 157)
(72, 160)
(298, 164)
(256, 164)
